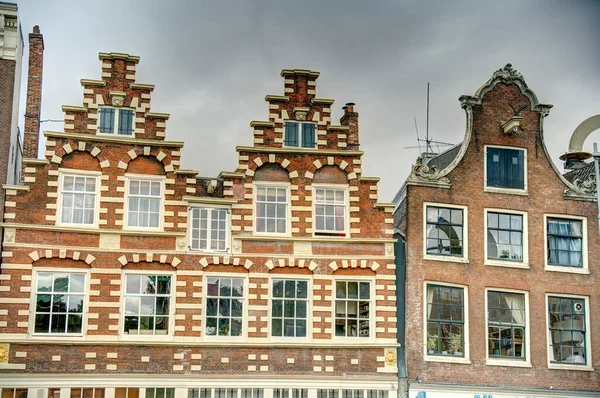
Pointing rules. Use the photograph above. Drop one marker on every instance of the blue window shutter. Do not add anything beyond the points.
(125, 121)
(291, 134)
(308, 135)
(493, 167)
(107, 120)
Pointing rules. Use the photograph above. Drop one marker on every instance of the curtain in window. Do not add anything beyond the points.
(517, 303)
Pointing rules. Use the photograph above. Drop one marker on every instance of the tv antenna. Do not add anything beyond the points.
(428, 142)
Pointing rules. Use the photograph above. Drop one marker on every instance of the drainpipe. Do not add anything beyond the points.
(400, 261)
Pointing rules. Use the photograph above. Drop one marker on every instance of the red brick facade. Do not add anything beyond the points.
(545, 194)
(37, 239)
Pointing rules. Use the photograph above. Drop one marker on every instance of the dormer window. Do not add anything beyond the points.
(300, 134)
(115, 120)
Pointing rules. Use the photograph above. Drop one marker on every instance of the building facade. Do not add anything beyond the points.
(501, 285)
(127, 276)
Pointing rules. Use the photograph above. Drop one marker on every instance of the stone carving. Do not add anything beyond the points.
(301, 115)
(423, 173)
(508, 74)
(3, 353)
(117, 98)
(390, 358)
(586, 186)
(302, 248)
(236, 246)
(9, 235)
(180, 243)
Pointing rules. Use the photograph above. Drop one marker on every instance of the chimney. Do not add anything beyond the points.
(34, 95)
(350, 119)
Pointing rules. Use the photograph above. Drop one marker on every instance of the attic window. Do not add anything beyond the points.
(505, 168)
(115, 120)
(300, 134)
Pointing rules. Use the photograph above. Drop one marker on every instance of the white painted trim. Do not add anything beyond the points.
(227, 226)
(372, 308)
(300, 123)
(340, 187)
(584, 245)
(162, 205)
(455, 259)
(59, 199)
(116, 122)
(309, 310)
(288, 224)
(505, 190)
(588, 336)
(245, 299)
(449, 359)
(525, 240)
(507, 361)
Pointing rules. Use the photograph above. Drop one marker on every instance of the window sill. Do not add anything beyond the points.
(447, 359)
(449, 259)
(142, 337)
(57, 336)
(558, 366)
(114, 134)
(507, 191)
(507, 264)
(508, 362)
(81, 226)
(568, 270)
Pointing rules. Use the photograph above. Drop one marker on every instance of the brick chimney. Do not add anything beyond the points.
(350, 119)
(34, 95)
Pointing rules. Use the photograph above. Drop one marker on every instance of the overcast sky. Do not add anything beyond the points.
(213, 63)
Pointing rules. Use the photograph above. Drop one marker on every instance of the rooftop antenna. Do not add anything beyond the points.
(427, 141)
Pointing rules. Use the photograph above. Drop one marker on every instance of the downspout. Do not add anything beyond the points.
(400, 261)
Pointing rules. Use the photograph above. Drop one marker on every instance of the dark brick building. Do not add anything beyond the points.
(502, 294)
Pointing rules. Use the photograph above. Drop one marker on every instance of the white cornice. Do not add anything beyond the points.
(120, 140)
(302, 151)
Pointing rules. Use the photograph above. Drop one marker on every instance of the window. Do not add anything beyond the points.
(300, 135)
(330, 211)
(290, 393)
(160, 393)
(567, 327)
(127, 392)
(59, 302)
(444, 230)
(505, 168)
(14, 392)
(78, 200)
(445, 320)
(328, 393)
(335, 393)
(506, 324)
(376, 394)
(253, 393)
(505, 236)
(209, 229)
(224, 306)
(352, 308)
(121, 118)
(564, 242)
(271, 209)
(226, 392)
(144, 203)
(147, 304)
(87, 392)
(199, 393)
(289, 308)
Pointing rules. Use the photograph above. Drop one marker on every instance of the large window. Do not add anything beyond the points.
(87, 393)
(226, 393)
(335, 393)
(290, 393)
(271, 209)
(352, 308)
(14, 392)
(300, 135)
(445, 228)
(565, 242)
(147, 304)
(330, 211)
(567, 324)
(224, 306)
(160, 393)
(59, 302)
(115, 120)
(209, 229)
(144, 203)
(505, 168)
(506, 324)
(78, 204)
(505, 236)
(445, 320)
(127, 392)
(289, 308)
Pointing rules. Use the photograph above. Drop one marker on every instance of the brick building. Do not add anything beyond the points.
(502, 292)
(11, 58)
(127, 276)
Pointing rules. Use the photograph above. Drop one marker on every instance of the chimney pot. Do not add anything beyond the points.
(350, 106)
(36, 29)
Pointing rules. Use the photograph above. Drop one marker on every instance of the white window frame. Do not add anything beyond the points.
(337, 187)
(32, 303)
(224, 275)
(288, 224)
(584, 245)
(588, 336)
(171, 332)
(309, 309)
(300, 123)
(62, 173)
(500, 263)
(466, 359)
(115, 132)
(227, 227)
(372, 309)
(161, 207)
(505, 190)
(452, 259)
(526, 363)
